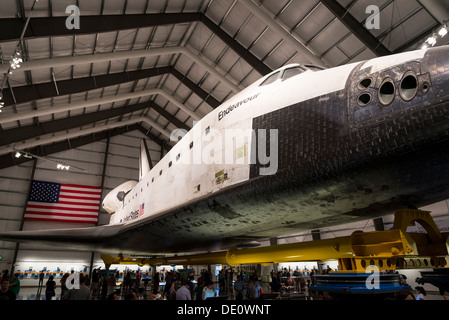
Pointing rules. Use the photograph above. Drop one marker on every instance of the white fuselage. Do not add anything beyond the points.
(221, 153)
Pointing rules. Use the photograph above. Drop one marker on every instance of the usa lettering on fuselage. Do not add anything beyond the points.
(132, 215)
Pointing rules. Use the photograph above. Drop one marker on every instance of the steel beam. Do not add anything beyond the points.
(214, 103)
(98, 101)
(55, 26)
(148, 134)
(438, 9)
(29, 144)
(18, 134)
(29, 93)
(8, 160)
(11, 28)
(245, 54)
(122, 55)
(266, 17)
(356, 28)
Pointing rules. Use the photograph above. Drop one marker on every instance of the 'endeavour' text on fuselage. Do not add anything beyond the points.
(222, 114)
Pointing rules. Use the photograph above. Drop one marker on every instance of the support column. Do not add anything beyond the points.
(16, 251)
(316, 236)
(274, 242)
(103, 175)
(379, 224)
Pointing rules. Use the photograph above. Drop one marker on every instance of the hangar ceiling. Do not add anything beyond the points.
(154, 66)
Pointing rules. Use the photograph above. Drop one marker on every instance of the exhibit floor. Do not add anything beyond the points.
(31, 293)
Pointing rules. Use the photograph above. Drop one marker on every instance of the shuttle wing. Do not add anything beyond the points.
(141, 237)
(80, 239)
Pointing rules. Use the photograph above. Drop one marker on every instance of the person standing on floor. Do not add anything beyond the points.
(64, 289)
(420, 293)
(50, 287)
(5, 293)
(14, 284)
(238, 288)
(80, 293)
(208, 291)
(41, 281)
(183, 293)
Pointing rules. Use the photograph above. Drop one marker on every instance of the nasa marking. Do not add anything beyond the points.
(132, 215)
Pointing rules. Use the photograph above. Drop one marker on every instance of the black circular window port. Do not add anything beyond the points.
(387, 92)
(408, 87)
(365, 83)
(364, 99)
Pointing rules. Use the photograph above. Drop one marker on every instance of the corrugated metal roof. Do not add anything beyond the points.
(232, 42)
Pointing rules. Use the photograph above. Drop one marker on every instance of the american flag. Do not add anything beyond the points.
(49, 201)
(141, 209)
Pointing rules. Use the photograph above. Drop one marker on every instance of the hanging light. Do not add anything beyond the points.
(432, 40)
(15, 61)
(443, 31)
(61, 166)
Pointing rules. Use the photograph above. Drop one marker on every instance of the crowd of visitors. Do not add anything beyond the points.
(175, 285)
(10, 286)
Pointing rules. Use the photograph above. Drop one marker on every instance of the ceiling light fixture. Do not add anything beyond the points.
(443, 31)
(432, 40)
(15, 61)
(61, 166)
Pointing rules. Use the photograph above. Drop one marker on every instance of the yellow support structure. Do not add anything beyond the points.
(388, 250)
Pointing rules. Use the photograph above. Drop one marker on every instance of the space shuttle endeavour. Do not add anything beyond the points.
(302, 148)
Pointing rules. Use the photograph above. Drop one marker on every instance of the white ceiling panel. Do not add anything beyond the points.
(334, 57)
(91, 7)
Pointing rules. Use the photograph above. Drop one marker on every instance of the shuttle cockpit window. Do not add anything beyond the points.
(270, 79)
(314, 68)
(291, 72)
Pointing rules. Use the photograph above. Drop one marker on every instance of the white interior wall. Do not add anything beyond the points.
(14, 182)
(122, 166)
